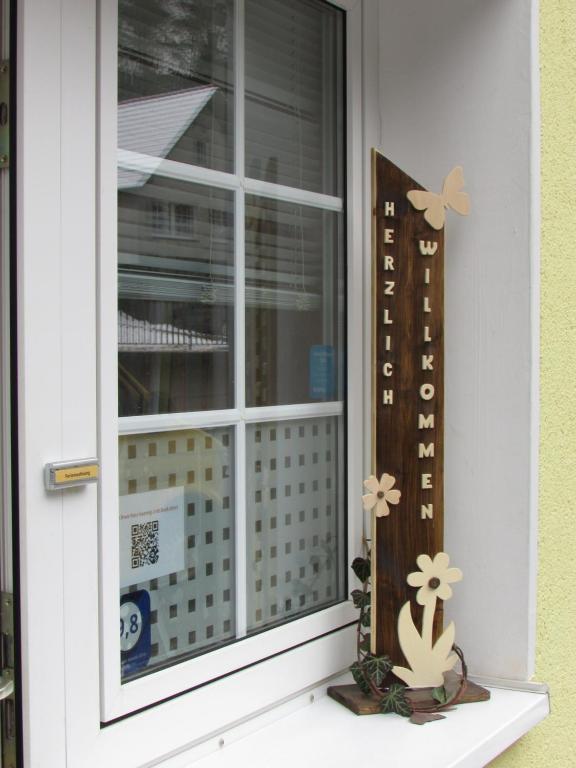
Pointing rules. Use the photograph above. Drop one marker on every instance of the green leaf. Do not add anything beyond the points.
(365, 620)
(361, 567)
(359, 678)
(440, 695)
(361, 599)
(377, 667)
(395, 701)
(365, 644)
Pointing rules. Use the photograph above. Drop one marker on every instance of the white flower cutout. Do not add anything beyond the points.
(381, 494)
(434, 578)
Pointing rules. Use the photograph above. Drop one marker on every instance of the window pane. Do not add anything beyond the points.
(176, 546)
(176, 310)
(175, 80)
(176, 297)
(295, 518)
(295, 293)
(294, 94)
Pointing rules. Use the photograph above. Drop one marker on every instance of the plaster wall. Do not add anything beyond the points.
(460, 92)
(554, 742)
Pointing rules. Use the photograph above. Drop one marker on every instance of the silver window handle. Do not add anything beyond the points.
(6, 688)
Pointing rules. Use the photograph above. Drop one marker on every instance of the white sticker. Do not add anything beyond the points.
(151, 535)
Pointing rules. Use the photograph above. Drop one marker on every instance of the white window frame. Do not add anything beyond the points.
(120, 699)
(57, 238)
(66, 217)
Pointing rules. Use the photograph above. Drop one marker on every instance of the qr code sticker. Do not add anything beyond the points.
(145, 544)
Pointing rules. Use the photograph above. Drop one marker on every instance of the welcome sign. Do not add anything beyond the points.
(407, 386)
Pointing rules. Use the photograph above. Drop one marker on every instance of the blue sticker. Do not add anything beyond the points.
(321, 372)
(135, 635)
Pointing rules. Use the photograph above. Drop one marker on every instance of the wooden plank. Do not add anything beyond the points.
(408, 389)
(352, 697)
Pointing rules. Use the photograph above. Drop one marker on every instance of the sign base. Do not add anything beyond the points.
(353, 699)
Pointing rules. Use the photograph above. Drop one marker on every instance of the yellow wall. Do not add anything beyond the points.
(553, 743)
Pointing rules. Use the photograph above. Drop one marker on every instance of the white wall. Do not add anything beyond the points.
(455, 84)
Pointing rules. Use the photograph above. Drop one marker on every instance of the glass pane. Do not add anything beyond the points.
(176, 546)
(176, 297)
(175, 80)
(294, 94)
(295, 294)
(295, 523)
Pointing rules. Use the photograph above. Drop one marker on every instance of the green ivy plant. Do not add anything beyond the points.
(370, 672)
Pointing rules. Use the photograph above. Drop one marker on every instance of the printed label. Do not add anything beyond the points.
(151, 535)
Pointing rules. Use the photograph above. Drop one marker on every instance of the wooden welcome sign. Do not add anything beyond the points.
(408, 390)
(408, 569)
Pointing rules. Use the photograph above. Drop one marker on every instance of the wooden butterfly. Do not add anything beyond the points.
(451, 196)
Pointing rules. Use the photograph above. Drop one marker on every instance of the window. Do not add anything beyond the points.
(231, 322)
(69, 543)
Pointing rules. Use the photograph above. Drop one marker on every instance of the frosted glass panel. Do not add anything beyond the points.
(295, 522)
(176, 545)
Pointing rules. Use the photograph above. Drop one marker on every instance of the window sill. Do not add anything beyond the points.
(323, 733)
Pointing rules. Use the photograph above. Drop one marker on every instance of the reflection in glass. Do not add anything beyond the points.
(294, 94)
(176, 297)
(294, 303)
(295, 519)
(176, 545)
(176, 309)
(175, 81)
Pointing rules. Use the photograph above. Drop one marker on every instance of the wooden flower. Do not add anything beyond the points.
(428, 660)
(434, 578)
(381, 494)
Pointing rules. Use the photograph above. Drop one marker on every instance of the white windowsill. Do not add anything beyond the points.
(307, 734)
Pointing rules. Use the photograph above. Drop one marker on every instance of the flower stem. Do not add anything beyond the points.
(428, 623)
